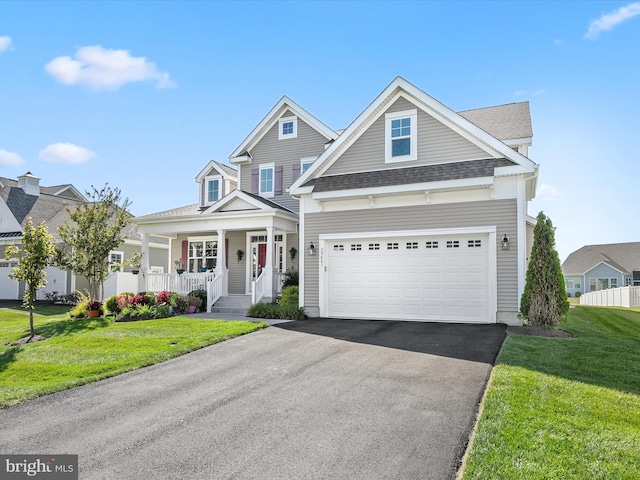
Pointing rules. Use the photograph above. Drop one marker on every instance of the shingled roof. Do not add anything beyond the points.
(505, 122)
(622, 256)
(406, 176)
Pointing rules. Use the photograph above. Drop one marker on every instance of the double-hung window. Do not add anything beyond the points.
(401, 136)
(212, 189)
(287, 128)
(115, 259)
(266, 180)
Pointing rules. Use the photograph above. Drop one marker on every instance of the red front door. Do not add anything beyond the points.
(262, 257)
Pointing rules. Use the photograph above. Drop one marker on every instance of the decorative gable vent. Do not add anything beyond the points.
(30, 184)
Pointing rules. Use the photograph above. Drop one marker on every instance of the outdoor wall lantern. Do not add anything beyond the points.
(505, 242)
(312, 249)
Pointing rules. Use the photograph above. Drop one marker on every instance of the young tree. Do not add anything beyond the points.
(96, 230)
(544, 301)
(33, 256)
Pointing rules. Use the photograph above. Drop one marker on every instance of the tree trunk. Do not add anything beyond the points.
(33, 330)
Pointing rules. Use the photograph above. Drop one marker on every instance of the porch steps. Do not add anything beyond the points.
(232, 305)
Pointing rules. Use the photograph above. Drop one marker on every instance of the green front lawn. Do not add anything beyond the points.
(79, 351)
(564, 408)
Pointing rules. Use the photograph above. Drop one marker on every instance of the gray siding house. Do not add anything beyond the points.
(24, 198)
(598, 267)
(414, 212)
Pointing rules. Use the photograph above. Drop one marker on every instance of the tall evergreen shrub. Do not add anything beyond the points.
(544, 301)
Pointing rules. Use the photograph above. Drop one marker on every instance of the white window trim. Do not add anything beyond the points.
(116, 252)
(413, 144)
(207, 179)
(272, 167)
(282, 136)
(306, 161)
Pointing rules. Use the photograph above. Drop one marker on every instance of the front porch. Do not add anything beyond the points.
(215, 283)
(241, 245)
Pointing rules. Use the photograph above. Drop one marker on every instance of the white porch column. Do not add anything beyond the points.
(221, 255)
(144, 264)
(269, 265)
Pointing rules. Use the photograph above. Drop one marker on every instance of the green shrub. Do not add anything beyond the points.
(112, 304)
(578, 294)
(291, 278)
(263, 310)
(181, 303)
(273, 311)
(569, 294)
(80, 310)
(289, 295)
(193, 301)
(202, 295)
(291, 312)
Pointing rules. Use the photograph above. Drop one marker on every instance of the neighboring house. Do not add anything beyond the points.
(598, 267)
(414, 212)
(26, 198)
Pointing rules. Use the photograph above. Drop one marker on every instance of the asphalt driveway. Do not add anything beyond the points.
(310, 399)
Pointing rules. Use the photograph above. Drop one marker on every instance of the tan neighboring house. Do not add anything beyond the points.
(24, 198)
(414, 212)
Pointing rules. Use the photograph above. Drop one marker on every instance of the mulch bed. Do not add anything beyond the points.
(539, 332)
(24, 340)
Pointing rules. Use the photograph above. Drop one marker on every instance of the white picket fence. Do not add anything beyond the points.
(613, 297)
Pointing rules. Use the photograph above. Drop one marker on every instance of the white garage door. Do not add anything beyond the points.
(8, 287)
(427, 278)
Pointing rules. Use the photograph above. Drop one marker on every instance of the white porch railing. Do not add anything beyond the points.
(278, 280)
(613, 297)
(216, 288)
(182, 284)
(259, 288)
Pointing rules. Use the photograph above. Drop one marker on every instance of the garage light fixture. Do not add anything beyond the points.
(505, 242)
(312, 249)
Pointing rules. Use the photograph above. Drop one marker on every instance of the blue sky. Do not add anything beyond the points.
(142, 94)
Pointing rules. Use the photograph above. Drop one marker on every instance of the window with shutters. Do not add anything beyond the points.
(266, 180)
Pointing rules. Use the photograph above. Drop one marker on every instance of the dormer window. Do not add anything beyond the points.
(401, 136)
(212, 189)
(287, 128)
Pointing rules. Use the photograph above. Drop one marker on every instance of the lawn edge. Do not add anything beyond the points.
(81, 383)
(465, 457)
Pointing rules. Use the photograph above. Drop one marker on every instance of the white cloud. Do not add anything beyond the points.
(66, 153)
(609, 20)
(558, 41)
(5, 43)
(105, 69)
(548, 192)
(10, 159)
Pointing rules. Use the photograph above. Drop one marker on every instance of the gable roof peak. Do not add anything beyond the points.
(243, 150)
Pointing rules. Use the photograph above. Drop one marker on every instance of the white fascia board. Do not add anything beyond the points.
(205, 171)
(401, 88)
(273, 116)
(608, 265)
(232, 196)
(239, 220)
(510, 170)
(414, 187)
(409, 233)
(531, 220)
(518, 141)
(241, 160)
(75, 191)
